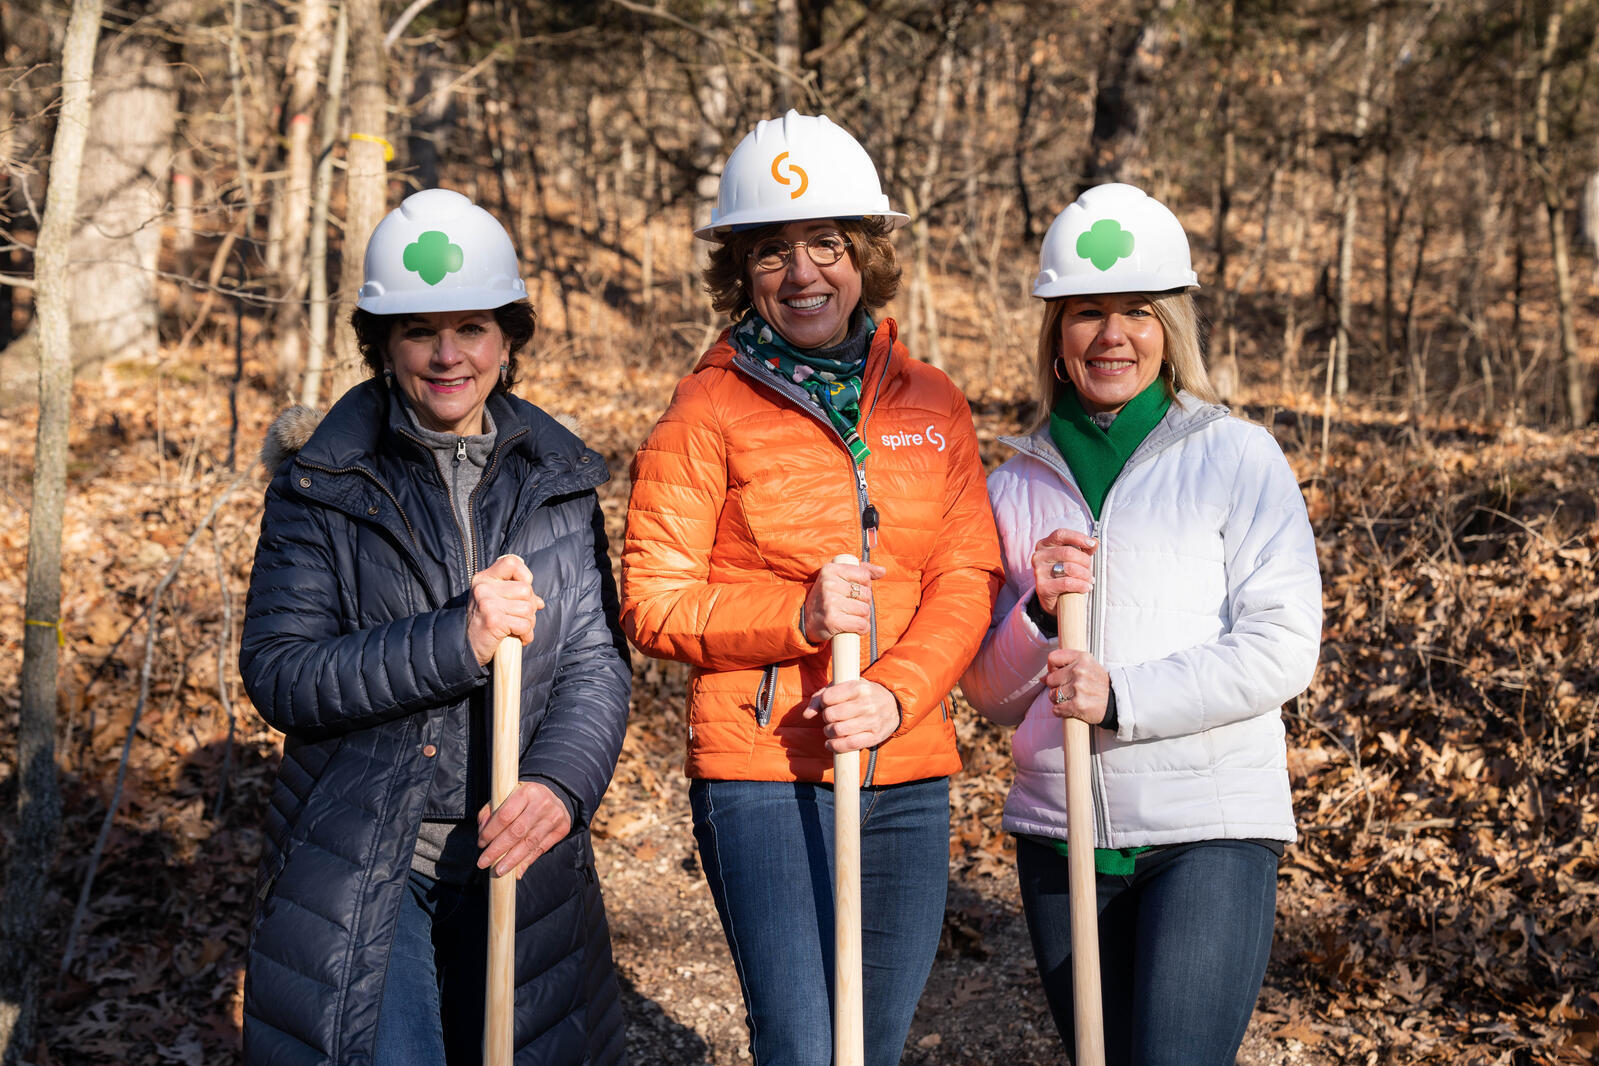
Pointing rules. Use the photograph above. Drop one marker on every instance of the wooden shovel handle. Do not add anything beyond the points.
(849, 1034)
(1071, 617)
(499, 1010)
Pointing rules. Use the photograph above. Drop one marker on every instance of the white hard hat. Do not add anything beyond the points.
(438, 251)
(1114, 238)
(796, 168)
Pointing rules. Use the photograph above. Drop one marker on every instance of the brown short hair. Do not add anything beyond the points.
(516, 320)
(1184, 368)
(869, 248)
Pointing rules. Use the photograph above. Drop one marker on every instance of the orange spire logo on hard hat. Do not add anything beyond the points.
(794, 174)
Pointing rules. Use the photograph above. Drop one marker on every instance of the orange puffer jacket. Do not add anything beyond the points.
(742, 492)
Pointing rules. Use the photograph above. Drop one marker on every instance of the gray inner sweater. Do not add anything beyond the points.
(447, 850)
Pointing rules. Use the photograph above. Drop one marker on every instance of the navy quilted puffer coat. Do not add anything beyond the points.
(355, 647)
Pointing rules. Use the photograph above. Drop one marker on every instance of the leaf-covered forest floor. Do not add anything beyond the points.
(1441, 905)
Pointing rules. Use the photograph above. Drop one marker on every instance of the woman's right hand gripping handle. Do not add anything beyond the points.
(502, 604)
(1071, 550)
(839, 601)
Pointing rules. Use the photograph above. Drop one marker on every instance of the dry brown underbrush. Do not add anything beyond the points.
(1443, 898)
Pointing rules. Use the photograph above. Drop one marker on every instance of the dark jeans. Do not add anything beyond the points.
(767, 850)
(432, 1008)
(1183, 945)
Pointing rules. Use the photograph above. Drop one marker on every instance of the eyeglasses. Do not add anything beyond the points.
(825, 249)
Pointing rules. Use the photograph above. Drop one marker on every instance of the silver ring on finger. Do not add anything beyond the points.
(1058, 570)
(854, 591)
(1060, 695)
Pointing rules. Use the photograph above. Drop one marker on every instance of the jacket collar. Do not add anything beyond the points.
(1186, 415)
(885, 351)
(368, 421)
(367, 424)
(367, 433)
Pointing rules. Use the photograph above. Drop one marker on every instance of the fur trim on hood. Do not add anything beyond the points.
(287, 435)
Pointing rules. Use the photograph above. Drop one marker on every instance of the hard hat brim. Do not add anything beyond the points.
(1081, 286)
(721, 229)
(414, 303)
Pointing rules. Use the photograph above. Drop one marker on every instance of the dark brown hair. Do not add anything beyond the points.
(869, 248)
(516, 320)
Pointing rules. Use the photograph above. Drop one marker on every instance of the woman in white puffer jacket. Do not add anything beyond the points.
(1187, 528)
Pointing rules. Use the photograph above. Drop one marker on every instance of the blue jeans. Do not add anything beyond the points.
(432, 1010)
(767, 850)
(1183, 945)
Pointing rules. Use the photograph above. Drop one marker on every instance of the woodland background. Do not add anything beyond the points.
(1393, 207)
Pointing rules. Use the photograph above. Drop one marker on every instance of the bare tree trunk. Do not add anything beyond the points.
(1588, 220)
(1479, 229)
(786, 50)
(316, 359)
(120, 203)
(1026, 96)
(1348, 182)
(432, 114)
(38, 794)
(1554, 205)
(183, 229)
(1299, 212)
(8, 147)
(648, 194)
(367, 152)
(1224, 368)
(712, 94)
(1124, 96)
(1514, 193)
(923, 324)
(310, 39)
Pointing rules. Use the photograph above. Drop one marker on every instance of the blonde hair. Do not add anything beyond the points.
(1183, 361)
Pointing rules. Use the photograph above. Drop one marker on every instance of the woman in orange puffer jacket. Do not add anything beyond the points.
(808, 432)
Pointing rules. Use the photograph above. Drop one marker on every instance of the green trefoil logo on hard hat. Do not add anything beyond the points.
(1105, 244)
(433, 256)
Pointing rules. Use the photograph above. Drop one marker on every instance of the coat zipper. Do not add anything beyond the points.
(1096, 599)
(1096, 610)
(766, 694)
(469, 537)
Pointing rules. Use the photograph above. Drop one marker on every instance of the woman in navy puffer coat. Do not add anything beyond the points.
(364, 643)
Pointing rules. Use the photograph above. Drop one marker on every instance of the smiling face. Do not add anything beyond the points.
(809, 305)
(1112, 346)
(447, 363)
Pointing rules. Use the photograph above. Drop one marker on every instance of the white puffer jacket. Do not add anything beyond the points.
(1206, 612)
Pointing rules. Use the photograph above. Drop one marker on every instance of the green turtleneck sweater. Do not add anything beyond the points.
(1096, 453)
